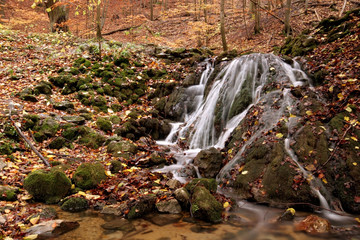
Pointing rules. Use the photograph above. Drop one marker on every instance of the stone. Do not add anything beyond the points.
(208, 183)
(169, 206)
(117, 210)
(288, 215)
(45, 129)
(52, 228)
(48, 187)
(204, 205)
(183, 196)
(173, 184)
(2, 220)
(209, 162)
(104, 124)
(65, 105)
(47, 213)
(78, 120)
(43, 88)
(75, 204)
(89, 175)
(313, 224)
(163, 219)
(142, 207)
(118, 147)
(8, 193)
(116, 166)
(120, 224)
(58, 143)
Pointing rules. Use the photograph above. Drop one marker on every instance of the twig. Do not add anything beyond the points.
(337, 145)
(27, 140)
(343, 8)
(121, 30)
(317, 16)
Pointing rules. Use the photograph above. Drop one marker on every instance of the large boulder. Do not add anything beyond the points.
(205, 206)
(209, 162)
(49, 187)
(143, 206)
(89, 175)
(75, 204)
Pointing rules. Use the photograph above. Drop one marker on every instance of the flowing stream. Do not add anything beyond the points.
(216, 109)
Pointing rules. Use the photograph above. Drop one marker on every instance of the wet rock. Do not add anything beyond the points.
(175, 105)
(313, 224)
(116, 148)
(188, 171)
(48, 187)
(204, 205)
(202, 229)
(209, 162)
(89, 175)
(78, 120)
(183, 196)
(169, 206)
(173, 184)
(120, 224)
(8, 193)
(143, 206)
(209, 183)
(65, 105)
(155, 128)
(47, 213)
(163, 219)
(288, 215)
(52, 228)
(75, 204)
(157, 158)
(117, 210)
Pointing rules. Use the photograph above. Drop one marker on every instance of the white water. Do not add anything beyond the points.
(255, 71)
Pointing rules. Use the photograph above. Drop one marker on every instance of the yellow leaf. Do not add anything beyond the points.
(157, 181)
(244, 172)
(355, 163)
(62, 50)
(357, 147)
(30, 237)
(340, 96)
(291, 210)
(48, 10)
(346, 118)
(73, 186)
(331, 89)
(309, 113)
(354, 138)
(279, 135)
(108, 173)
(33, 5)
(76, 13)
(292, 115)
(230, 151)
(35, 220)
(357, 219)
(348, 109)
(323, 128)
(81, 193)
(324, 180)
(226, 204)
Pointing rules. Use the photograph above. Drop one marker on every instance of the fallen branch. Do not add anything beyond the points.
(27, 140)
(121, 30)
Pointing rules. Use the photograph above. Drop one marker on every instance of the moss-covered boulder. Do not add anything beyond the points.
(205, 206)
(145, 205)
(157, 129)
(8, 193)
(45, 129)
(27, 94)
(49, 187)
(104, 124)
(65, 105)
(209, 162)
(43, 88)
(30, 121)
(89, 175)
(209, 183)
(118, 148)
(92, 139)
(299, 45)
(116, 166)
(75, 204)
(77, 120)
(174, 107)
(58, 143)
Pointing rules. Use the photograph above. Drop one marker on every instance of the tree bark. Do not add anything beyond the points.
(58, 16)
(152, 10)
(287, 17)
(257, 17)
(222, 25)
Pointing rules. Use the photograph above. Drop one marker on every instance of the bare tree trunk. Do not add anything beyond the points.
(246, 29)
(287, 17)
(57, 16)
(152, 10)
(257, 16)
(98, 27)
(222, 25)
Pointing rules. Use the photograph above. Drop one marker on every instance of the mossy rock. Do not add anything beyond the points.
(120, 60)
(298, 46)
(107, 75)
(43, 88)
(156, 128)
(49, 187)
(89, 175)
(143, 206)
(58, 143)
(75, 204)
(65, 105)
(205, 206)
(8, 193)
(74, 71)
(45, 129)
(242, 100)
(115, 119)
(104, 124)
(79, 61)
(30, 121)
(27, 95)
(208, 183)
(60, 80)
(10, 131)
(6, 147)
(92, 140)
(116, 148)
(77, 120)
(116, 166)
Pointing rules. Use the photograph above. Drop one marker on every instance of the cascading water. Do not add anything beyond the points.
(239, 86)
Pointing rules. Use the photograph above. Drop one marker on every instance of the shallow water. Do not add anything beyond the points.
(247, 222)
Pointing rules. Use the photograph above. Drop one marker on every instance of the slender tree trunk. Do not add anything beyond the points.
(257, 16)
(222, 25)
(306, 6)
(152, 10)
(98, 26)
(287, 17)
(244, 17)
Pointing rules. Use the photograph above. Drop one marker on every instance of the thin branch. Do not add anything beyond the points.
(278, 18)
(343, 8)
(28, 141)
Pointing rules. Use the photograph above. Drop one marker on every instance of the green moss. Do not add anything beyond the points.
(46, 129)
(58, 143)
(8, 193)
(116, 107)
(121, 60)
(48, 187)
(242, 100)
(205, 206)
(107, 75)
(30, 121)
(116, 166)
(5, 147)
(92, 140)
(116, 148)
(115, 119)
(79, 61)
(104, 124)
(75, 204)
(208, 183)
(108, 90)
(89, 175)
